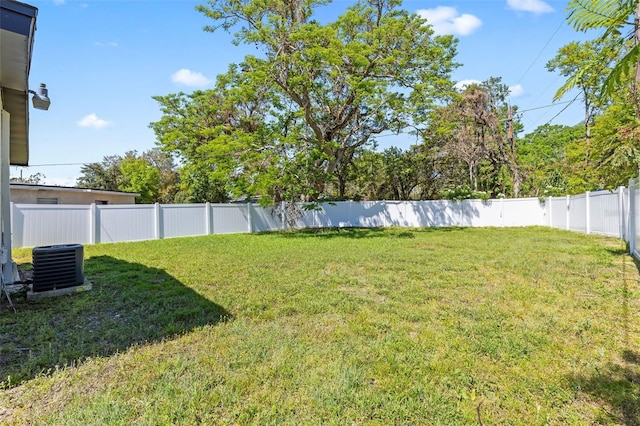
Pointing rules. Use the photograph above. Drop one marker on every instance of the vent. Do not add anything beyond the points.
(56, 267)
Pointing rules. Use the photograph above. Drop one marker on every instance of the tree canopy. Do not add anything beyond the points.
(153, 175)
(301, 118)
(287, 124)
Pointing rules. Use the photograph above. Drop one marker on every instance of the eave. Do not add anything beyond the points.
(17, 28)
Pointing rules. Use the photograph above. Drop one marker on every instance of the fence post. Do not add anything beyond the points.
(207, 218)
(568, 224)
(632, 216)
(249, 224)
(157, 219)
(92, 223)
(550, 210)
(283, 215)
(587, 213)
(621, 212)
(14, 239)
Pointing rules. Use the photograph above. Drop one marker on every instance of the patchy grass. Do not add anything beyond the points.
(365, 326)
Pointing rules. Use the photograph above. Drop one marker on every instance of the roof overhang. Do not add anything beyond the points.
(17, 28)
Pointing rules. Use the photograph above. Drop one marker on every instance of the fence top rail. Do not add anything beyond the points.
(53, 206)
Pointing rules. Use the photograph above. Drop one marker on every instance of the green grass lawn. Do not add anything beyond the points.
(367, 326)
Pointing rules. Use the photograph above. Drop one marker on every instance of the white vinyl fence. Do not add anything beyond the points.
(43, 225)
(601, 212)
(610, 213)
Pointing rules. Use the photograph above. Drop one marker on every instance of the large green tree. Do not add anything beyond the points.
(586, 66)
(615, 149)
(142, 177)
(324, 91)
(153, 174)
(548, 157)
(105, 175)
(477, 131)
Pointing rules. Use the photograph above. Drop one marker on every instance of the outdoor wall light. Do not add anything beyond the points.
(40, 98)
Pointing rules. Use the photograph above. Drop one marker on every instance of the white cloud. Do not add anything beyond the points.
(447, 20)
(58, 2)
(533, 6)
(460, 86)
(516, 91)
(190, 78)
(107, 44)
(92, 120)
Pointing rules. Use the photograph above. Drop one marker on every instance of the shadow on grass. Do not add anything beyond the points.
(357, 233)
(130, 304)
(616, 388)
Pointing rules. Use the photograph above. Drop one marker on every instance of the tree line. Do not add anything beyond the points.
(300, 120)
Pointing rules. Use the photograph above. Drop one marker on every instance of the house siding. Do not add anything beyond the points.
(30, 195)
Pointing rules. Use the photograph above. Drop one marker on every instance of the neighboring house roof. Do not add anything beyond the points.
(17, 28)
(31, 187)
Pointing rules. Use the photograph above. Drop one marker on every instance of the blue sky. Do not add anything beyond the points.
(103, 60)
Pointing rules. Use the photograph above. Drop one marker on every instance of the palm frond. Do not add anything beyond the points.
(572, 82)
(586, 15)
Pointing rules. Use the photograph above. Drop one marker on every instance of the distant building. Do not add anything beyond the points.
(22, 193)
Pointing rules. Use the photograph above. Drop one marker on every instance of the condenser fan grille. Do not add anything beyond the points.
(56, 267)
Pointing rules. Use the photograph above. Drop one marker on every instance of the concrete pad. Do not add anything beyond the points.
(31, 295)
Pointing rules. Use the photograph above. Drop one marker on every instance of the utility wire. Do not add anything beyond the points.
(54, 164)
(550, 105)
(563, 109)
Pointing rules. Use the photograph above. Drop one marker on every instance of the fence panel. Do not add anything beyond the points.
(265, 219)
(310, 217)
(413, 213)
(578, 213)
(435, 213)
(368, 214)
(604, 213)
(393, 213)
(483, 213)
(230, 218)
(559, 213)
(43, 225)
(523, 212)
(334, 215)
(183, 220)
(125, 223)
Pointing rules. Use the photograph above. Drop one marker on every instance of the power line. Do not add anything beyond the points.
(551, 105)
(545, 90)
(54, 164)
(563, 109)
